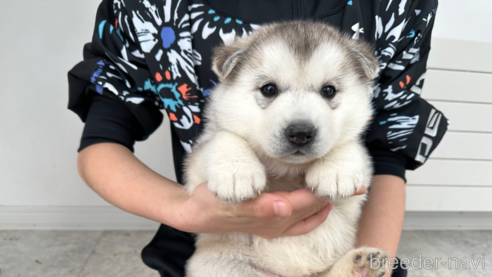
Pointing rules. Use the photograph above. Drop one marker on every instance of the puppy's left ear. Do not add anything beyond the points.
(226, 58)
(365, 59)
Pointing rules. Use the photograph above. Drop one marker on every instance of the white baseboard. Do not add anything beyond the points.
(448, 221)
(71, 218)
(111, 218)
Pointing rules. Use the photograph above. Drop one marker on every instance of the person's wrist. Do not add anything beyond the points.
(174, 209)
(186, 216)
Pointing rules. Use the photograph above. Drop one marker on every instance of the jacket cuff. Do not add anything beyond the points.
(386, 162)
(109, 121)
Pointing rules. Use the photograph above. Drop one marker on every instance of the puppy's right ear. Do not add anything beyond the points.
(226, 58)
(366, 60)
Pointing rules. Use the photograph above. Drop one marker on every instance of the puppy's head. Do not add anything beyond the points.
(294, 90)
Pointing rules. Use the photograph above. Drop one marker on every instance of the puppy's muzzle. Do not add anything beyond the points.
(300, 134)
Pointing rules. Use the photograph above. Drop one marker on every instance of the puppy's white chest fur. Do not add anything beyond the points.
(236, 178)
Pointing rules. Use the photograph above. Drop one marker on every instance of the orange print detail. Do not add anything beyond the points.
(116, 23)
(196, 119)
(158, 77)
(402, 84)
(168, 75)
(408, 79)
(183, 89)
(173, 117)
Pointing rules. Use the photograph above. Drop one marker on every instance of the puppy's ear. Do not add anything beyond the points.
(365, 59)
(226, 58)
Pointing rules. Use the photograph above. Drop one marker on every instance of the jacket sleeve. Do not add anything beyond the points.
(406, 128)
(107, 89)
(140, 60)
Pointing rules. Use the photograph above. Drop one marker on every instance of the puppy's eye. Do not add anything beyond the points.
(269, 90)
(328, 92)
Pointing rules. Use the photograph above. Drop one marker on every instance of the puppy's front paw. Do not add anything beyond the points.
(335, 180)
(363, 262)
(238, 180)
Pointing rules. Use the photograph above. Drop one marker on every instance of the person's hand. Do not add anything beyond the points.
(270, 215)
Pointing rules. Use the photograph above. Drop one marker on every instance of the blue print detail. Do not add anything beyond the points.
(168, 37)
(99, 89)
(96, 74)
(148, 86)
(118, 31)
(169, 102)
(101, 28)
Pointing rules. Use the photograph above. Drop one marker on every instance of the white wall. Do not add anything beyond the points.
(464, 20)
(42, 40)
(458, 176)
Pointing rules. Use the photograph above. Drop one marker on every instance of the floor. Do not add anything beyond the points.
(117, 253)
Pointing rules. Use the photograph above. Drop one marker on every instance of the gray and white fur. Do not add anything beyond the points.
(297, 138)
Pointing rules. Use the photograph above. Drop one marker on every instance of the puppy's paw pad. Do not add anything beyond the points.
(369, 262)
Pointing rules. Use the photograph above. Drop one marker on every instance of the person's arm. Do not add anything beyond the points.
(382, 216)
(119, 177)
(406, 128)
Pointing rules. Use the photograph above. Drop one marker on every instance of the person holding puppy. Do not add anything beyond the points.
(151, 55)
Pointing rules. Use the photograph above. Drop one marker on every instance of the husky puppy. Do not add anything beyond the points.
(288, 113)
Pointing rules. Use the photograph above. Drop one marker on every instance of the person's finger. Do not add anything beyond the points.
(281, 193)
(304, 204)
(266, 205)
(361, 191)
(302, 198)
(307, 225)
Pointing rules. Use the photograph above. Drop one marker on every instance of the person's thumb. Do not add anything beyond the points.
(266, 205)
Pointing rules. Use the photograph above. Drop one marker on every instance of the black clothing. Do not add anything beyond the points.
(156, 54)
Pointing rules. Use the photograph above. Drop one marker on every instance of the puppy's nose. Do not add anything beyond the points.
(300, 134)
